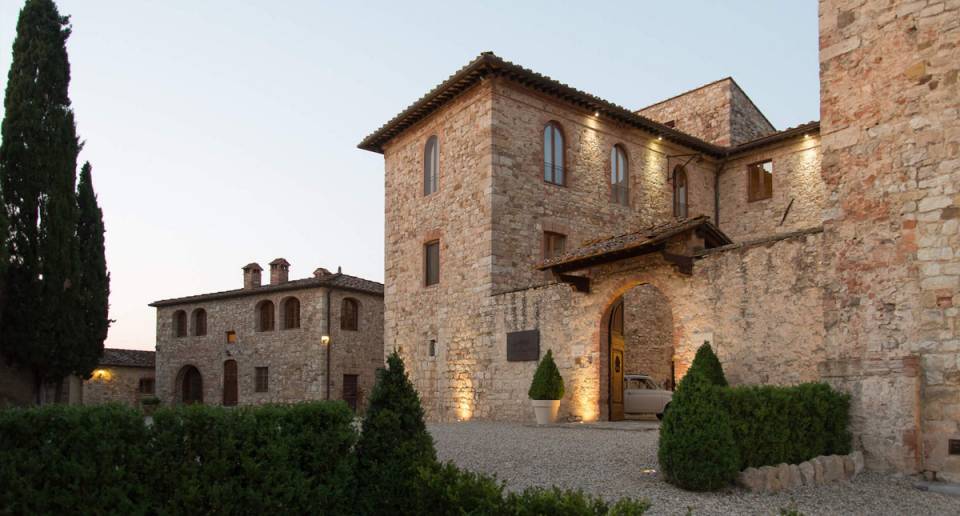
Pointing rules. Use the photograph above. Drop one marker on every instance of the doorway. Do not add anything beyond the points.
(616, 362)
(230, 393)
(191, 385)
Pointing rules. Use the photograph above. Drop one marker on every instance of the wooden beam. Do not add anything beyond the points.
(683, 263)
(579, 283)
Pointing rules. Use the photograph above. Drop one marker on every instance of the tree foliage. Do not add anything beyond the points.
(394, 445)
(547, 383)
(707, 364)
(94, 280)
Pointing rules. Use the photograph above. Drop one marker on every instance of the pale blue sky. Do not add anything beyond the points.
(225, 132)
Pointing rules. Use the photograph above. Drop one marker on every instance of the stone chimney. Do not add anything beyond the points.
(321, 273)
(279, 271)
(251, 275)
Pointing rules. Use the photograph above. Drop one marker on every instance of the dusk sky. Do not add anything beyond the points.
(225, 132)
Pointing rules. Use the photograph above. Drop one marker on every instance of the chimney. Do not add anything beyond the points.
(321, 273)
(279, 271)
(251, 275)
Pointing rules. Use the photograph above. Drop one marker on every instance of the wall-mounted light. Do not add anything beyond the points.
(102, 375)
(596, 113)
(324, 339)
(659, 138)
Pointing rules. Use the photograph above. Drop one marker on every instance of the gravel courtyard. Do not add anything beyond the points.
(614, 463)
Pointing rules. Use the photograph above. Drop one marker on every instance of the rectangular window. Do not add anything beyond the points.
(231, 337)
(431, 263)
(760, 181)
(554, 244)
(146, 386)
(432, 349)
(261, 379)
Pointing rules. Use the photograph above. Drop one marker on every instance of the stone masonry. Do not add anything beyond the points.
(295, 358)
(847, 274)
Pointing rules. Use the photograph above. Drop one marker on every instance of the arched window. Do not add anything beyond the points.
(265, 316)
(431, 165)
(553, 154)
(179, 323)
(349, 314)
(199, 322)
(679, 192)
(291, 313)
(619, 176)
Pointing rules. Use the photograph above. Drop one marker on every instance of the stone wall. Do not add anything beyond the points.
(797, 185)
(890, 122)
(648, 334)
(295, 358)
(115, 384)
(719, 112)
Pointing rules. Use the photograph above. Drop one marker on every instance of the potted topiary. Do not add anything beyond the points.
(546, 390)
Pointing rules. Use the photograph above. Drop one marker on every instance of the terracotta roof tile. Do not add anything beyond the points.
(128, 358)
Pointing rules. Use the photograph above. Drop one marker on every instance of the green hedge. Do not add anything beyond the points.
(774, 425)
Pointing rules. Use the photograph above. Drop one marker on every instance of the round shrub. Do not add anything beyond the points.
(697, 449)
(707, 364)
(547, 383)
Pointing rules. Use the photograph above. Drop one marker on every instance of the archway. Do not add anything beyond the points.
(190, 385)
(637, 338)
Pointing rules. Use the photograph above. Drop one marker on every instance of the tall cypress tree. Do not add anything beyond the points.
(38, 160)
(94, 286)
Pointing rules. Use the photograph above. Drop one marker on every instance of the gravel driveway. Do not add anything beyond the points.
(614, 463)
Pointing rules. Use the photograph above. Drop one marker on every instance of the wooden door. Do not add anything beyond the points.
(230, 393)
(616, 365)
(191, 387)
(616, 377)
(350, 390)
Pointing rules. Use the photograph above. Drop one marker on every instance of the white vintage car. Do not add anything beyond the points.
(641, 395)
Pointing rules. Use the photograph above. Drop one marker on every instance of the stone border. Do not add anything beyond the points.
(816, 471)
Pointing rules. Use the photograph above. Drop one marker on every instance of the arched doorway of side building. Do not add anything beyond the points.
(189, 385)
(637, 354)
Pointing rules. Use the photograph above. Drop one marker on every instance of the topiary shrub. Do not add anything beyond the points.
(547, 383)
(697, 450)
(707, 364)
(394, 445)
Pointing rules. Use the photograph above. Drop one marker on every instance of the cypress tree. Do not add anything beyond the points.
(94, 280)
(38, 160)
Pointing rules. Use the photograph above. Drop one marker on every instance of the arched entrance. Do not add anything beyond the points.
(637, 338)
(190, 385)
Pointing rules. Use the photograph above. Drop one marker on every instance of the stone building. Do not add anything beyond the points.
(289, 340)
(525, 215)
(122, 376)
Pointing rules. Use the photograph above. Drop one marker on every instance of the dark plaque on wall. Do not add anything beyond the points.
(523, 346)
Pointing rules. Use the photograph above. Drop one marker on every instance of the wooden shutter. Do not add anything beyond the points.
(432, 263)
(230, 393)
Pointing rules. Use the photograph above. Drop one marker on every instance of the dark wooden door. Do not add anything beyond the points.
(616, 362)
(350, 390)
(191, 386)
(230, 393)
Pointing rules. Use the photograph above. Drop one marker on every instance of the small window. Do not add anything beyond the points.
(553, 154)
(619, 176)
(431, 263)
(146, 386)
(265, 321)
(680, 192)
(554, 244)
(432, 348)
(199, 322)
(231, 337)
(291, 313)
(760, 181)
(261, 379)
(180, 324)
(349, 314)
(431, 165)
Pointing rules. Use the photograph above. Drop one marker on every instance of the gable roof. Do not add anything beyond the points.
(128, 358)
(632, 244)
(487, 64)
(336, 281)
(733, 83)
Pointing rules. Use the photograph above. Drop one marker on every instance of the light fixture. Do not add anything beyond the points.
(324, 339)
(659, 138)
(596, 113)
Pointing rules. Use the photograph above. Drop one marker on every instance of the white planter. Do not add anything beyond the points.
(546, 411)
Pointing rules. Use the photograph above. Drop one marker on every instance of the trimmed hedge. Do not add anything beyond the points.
(547, 383)
(774, 425)
(697, 450)
(707, 364)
